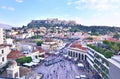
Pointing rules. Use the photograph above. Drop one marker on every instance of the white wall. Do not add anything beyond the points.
(6, 51)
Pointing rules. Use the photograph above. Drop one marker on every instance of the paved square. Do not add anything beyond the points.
(62, 70)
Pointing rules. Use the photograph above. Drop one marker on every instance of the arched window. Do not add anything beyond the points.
(3, 59)
(82, 57)
(76, 54)
(79, 56)
(16, 74)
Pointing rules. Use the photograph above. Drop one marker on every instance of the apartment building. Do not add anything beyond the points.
(1, 35)
(114, 64)
(98, 64)
(102, 67)
(49, 44)
(4, 51)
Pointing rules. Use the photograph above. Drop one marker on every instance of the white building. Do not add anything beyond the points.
(98, 64)
(1, 36)
(9, 41)
(19, 72)
(76, 50)
(13, 70)
(35, 52)
(49, 45)
(102, 67)
(43, 30)
(114, 64)
(4, 51)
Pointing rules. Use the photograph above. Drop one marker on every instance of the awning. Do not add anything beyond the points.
(70, 57)
(27, 64)
(78, 77)
(80, 65)
(65, 55)
(83, 76)
(30, 64)
(75, 59)
(36, 60)
(41, 58)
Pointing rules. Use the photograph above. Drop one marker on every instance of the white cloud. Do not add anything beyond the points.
(96, 4)
(19, 1)
(111, 19)
(3, 7)
(8, 8)
(103, 12)
(69, 3)
(11, 8)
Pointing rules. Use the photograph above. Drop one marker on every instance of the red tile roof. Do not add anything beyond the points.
(39, 49)
(112, 39)
(3, 45)
(48, 40)
(34, 51)
(79, 46)
(15, 54)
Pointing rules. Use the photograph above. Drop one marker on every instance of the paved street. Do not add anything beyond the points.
(61, 70)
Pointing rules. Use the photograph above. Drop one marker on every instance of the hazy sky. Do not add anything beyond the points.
(87, 12)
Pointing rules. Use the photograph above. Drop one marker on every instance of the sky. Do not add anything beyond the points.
(85, 12)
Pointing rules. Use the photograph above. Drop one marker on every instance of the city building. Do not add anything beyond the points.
(43, 30)
(13, 70)
(49, 45)
(76, 50)
(101, 66)
(15, 54)
(98, 64)
(1, 36)
(18, 72)
(9, 41)
(4, 51)
(36, 52)
(114, 64)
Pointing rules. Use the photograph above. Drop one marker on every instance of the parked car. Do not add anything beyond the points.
(83, 77)
(77, 77)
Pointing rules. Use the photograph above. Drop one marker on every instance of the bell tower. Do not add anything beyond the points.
(13, 70)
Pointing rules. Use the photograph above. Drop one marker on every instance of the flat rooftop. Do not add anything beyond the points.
(115, 60)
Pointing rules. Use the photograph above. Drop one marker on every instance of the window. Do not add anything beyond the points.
(36, 57)
(79, 56)
(82, 57)
(10, 75)
(73, 54)
(3, 59)
(76, 54)
(2, 51)
(16, 74)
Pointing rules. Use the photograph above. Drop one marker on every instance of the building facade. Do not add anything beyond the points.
(114, 64)
(49, 45)
(19, 72)
(98, 63)
(77, 51)
(1, 36)
(102, 67)
(13, 70)
(4, 51)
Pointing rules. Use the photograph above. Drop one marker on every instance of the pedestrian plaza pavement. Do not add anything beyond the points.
(65, 69)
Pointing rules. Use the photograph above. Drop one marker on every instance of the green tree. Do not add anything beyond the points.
(115, 47)
(108, 54)
(41, 56)
(39, 43)
(23, 60)
(116, 36)
(90, 38)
